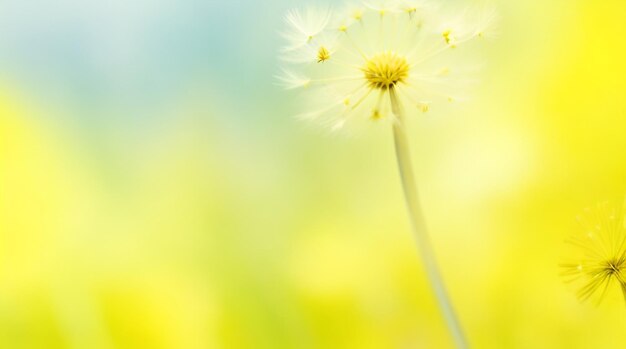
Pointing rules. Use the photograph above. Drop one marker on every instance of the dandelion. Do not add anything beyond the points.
(380, 56)
(598, 261)
(378, 61)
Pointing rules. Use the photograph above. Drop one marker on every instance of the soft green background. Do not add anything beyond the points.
(156, 193)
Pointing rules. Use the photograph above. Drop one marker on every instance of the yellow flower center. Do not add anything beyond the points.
(385, 70)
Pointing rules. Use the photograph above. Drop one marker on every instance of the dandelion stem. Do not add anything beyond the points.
(418, 223)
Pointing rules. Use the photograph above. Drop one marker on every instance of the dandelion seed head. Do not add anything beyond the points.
(597, 261)
(350, 60)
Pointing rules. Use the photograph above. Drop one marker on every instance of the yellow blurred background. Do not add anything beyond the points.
(156, 193)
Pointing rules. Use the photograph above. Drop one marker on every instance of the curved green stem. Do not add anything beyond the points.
(418, 223)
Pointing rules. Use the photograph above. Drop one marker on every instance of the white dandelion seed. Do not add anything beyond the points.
(291, 80)
(304, 26)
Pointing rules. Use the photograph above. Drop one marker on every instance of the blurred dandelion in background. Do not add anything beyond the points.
(370, 63)
(599, 262)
